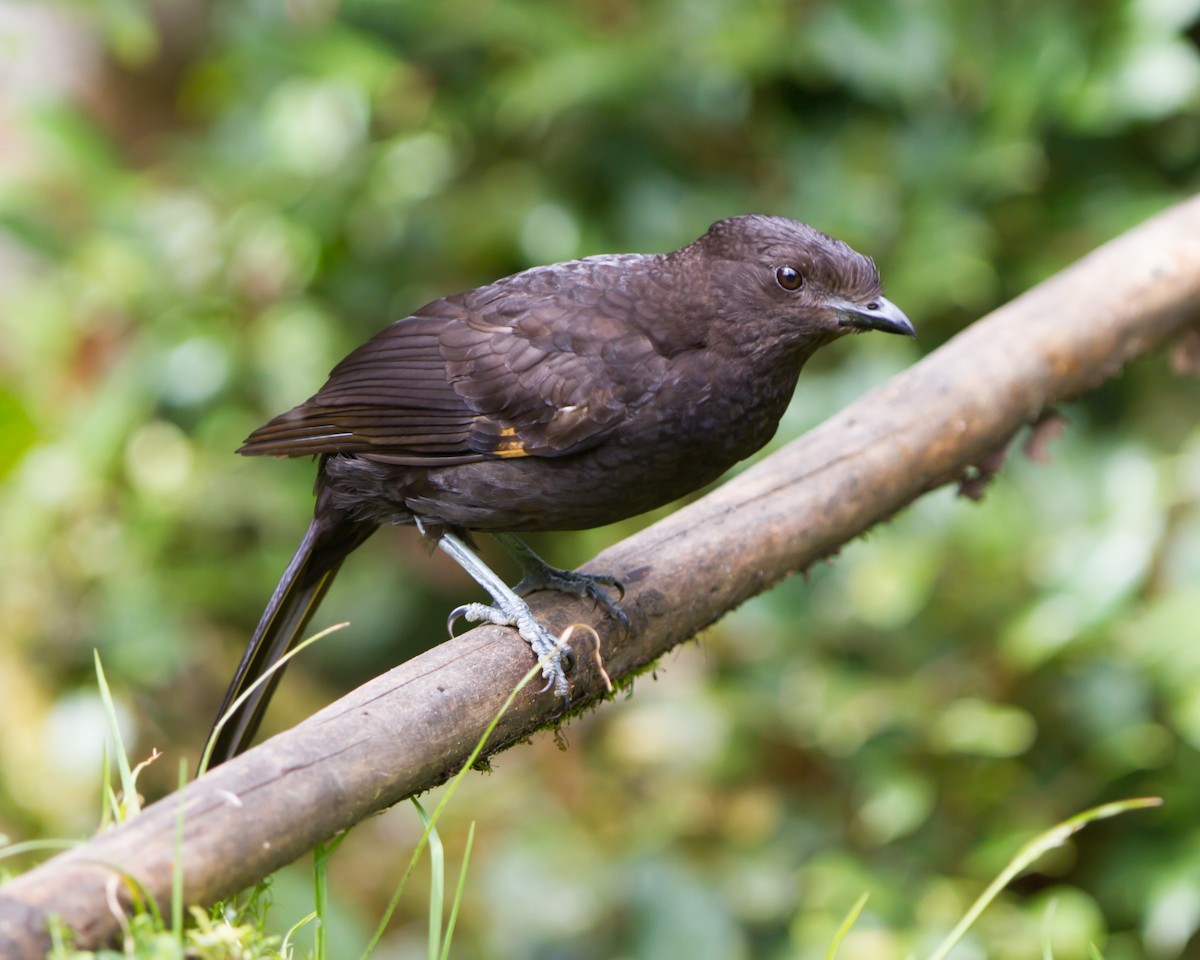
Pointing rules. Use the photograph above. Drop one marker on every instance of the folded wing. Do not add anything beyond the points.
(474, 377)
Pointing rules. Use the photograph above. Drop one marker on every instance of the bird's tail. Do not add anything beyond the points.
(329, 539)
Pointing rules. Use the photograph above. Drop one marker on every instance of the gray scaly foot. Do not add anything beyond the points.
(539, 575)
(507, 610)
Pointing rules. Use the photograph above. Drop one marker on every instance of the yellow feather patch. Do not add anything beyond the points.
(510, 448)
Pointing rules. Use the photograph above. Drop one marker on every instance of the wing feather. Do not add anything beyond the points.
(539, 364)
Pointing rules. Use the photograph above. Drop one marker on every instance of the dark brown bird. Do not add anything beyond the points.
(560, 398)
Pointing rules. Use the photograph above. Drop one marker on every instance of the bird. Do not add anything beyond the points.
(563, 397)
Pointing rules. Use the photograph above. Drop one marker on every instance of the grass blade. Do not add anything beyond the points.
(851, 919)
(31, 846)
(533, 671)
(206, 757)
(177, 864)
(128, 787)
(437, 882)
(458, 893)
(1054, 837)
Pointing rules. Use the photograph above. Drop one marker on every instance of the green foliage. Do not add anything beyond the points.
(210, 936)
(203, 206)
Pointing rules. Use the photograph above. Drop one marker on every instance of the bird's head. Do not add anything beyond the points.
(801, 284)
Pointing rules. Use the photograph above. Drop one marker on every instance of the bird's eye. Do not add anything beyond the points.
(789, 278)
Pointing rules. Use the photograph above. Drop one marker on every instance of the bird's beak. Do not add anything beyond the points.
(879, 314)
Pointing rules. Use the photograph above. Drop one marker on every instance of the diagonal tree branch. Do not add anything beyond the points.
(414, 726)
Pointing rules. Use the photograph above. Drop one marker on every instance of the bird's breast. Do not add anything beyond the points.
(701, 420)
(683, 437)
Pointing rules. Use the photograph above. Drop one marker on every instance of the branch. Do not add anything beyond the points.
(411, 728)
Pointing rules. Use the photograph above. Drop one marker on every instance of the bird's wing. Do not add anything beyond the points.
(475, 377)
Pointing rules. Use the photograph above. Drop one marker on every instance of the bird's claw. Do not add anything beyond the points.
(481, 613)
(555, 658)
(587, 586)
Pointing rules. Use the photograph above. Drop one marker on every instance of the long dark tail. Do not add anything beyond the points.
(329, 540)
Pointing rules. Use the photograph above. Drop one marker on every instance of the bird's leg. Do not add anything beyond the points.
(507, 610)
(539, 575)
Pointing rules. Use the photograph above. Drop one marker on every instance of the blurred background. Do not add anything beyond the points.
(203, 206)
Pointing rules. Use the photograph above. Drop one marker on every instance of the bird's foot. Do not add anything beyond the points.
(539, 575)
(555, 657)
(587, 586)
